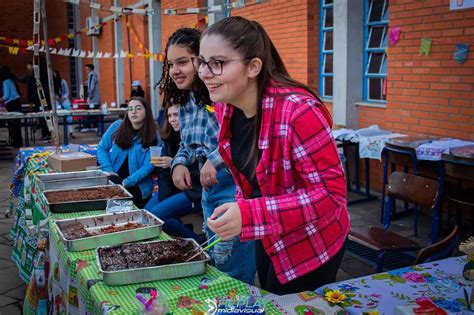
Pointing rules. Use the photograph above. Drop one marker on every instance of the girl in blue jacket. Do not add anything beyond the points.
(124, 150)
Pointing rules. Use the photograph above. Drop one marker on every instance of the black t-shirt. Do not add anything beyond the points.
(243, 129)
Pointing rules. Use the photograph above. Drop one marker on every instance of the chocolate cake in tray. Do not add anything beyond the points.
(150, 261)
(108, 229)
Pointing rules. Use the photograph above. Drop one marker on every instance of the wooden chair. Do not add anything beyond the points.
(439, 250)
(462, 173)
(414, 189)
(393, 156)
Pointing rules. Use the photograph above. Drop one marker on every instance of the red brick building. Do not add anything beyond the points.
(339, 47)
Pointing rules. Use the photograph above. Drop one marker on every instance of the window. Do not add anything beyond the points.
(375, 45)
(326, 49)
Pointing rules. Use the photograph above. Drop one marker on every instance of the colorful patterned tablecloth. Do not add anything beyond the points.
(76, 287)
(30, 211)
(439, 281)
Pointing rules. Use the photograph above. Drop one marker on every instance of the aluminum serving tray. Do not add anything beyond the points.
(83, 205)
(152, 228)
(145, 274)
(70, 180)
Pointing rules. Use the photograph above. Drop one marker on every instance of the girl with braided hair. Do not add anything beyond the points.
(197, 161)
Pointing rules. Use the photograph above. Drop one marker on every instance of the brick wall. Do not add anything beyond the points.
(294, 29)
(427, 94)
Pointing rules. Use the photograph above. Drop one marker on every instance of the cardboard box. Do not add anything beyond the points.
(71, 161)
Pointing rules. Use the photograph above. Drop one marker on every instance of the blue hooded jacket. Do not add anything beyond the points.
(111, 158)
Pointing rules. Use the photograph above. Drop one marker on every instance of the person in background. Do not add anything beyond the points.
(92, 87)
(124, 150)
(276, 139)
(61, 92)
(93, 92)
(29, 80)
(10, 97)
(197, 156)
(137, 89)
(170, 203)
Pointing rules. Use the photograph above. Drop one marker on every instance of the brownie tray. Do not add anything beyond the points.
(68, 180)
(152, 228)
(82, 205)
(144, 274)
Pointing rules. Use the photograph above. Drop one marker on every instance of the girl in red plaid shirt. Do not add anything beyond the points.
(275, 137)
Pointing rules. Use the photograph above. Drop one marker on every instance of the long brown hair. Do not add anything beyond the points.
(125, 133)
(250, 40)
(167, 132)
(188, 38)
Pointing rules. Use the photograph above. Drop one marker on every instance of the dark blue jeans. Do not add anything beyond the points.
(235, 258)
(170, 210)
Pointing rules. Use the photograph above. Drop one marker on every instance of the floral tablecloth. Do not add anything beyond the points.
(30, 212)
(439, 281)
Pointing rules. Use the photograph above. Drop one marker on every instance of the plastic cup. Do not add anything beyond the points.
(155, 153)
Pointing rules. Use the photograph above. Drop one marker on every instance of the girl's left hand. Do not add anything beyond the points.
(163, 162)
(227, 225)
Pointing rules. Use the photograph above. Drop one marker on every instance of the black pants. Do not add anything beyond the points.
(309, 282)
(14, 125)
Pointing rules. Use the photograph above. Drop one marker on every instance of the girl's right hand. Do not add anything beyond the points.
(162, 161)
(182, 177)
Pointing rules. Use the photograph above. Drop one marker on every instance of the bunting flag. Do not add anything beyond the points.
(52, 41)
(113, 9)
(460, 54)
(394, 34)
(211, 9)
(425, 46)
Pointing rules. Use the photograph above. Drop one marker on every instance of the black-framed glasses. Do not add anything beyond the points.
(215, 66)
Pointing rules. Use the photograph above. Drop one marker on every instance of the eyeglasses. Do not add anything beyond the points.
(215, 66)
(135, 108)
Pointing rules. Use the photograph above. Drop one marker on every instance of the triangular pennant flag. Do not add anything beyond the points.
(68, 52)
(107, 55)
(70, 35)
(57, 40)
(29, 47)
(30, 43)
(50, 42)
(54, 51)
(394, 34)
(41, 49)
(61, 52)
(123, 54)
(115, 55)
(16, 41)
(99, 55)
(76, 52)
(82, 54)
(425, 46)
(116, 9)
(460, 54)
(13, 50)
(90, 54)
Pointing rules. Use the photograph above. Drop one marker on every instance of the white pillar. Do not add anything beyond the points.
(154, 44)
(347, 60)
(118, 45)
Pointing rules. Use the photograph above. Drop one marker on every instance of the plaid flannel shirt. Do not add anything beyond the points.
(302, 215)
(199, 130)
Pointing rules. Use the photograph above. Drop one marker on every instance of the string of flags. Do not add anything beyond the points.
(460, 52)
(211, 9)
(112, 9)
(145, 51)
(52, 41)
